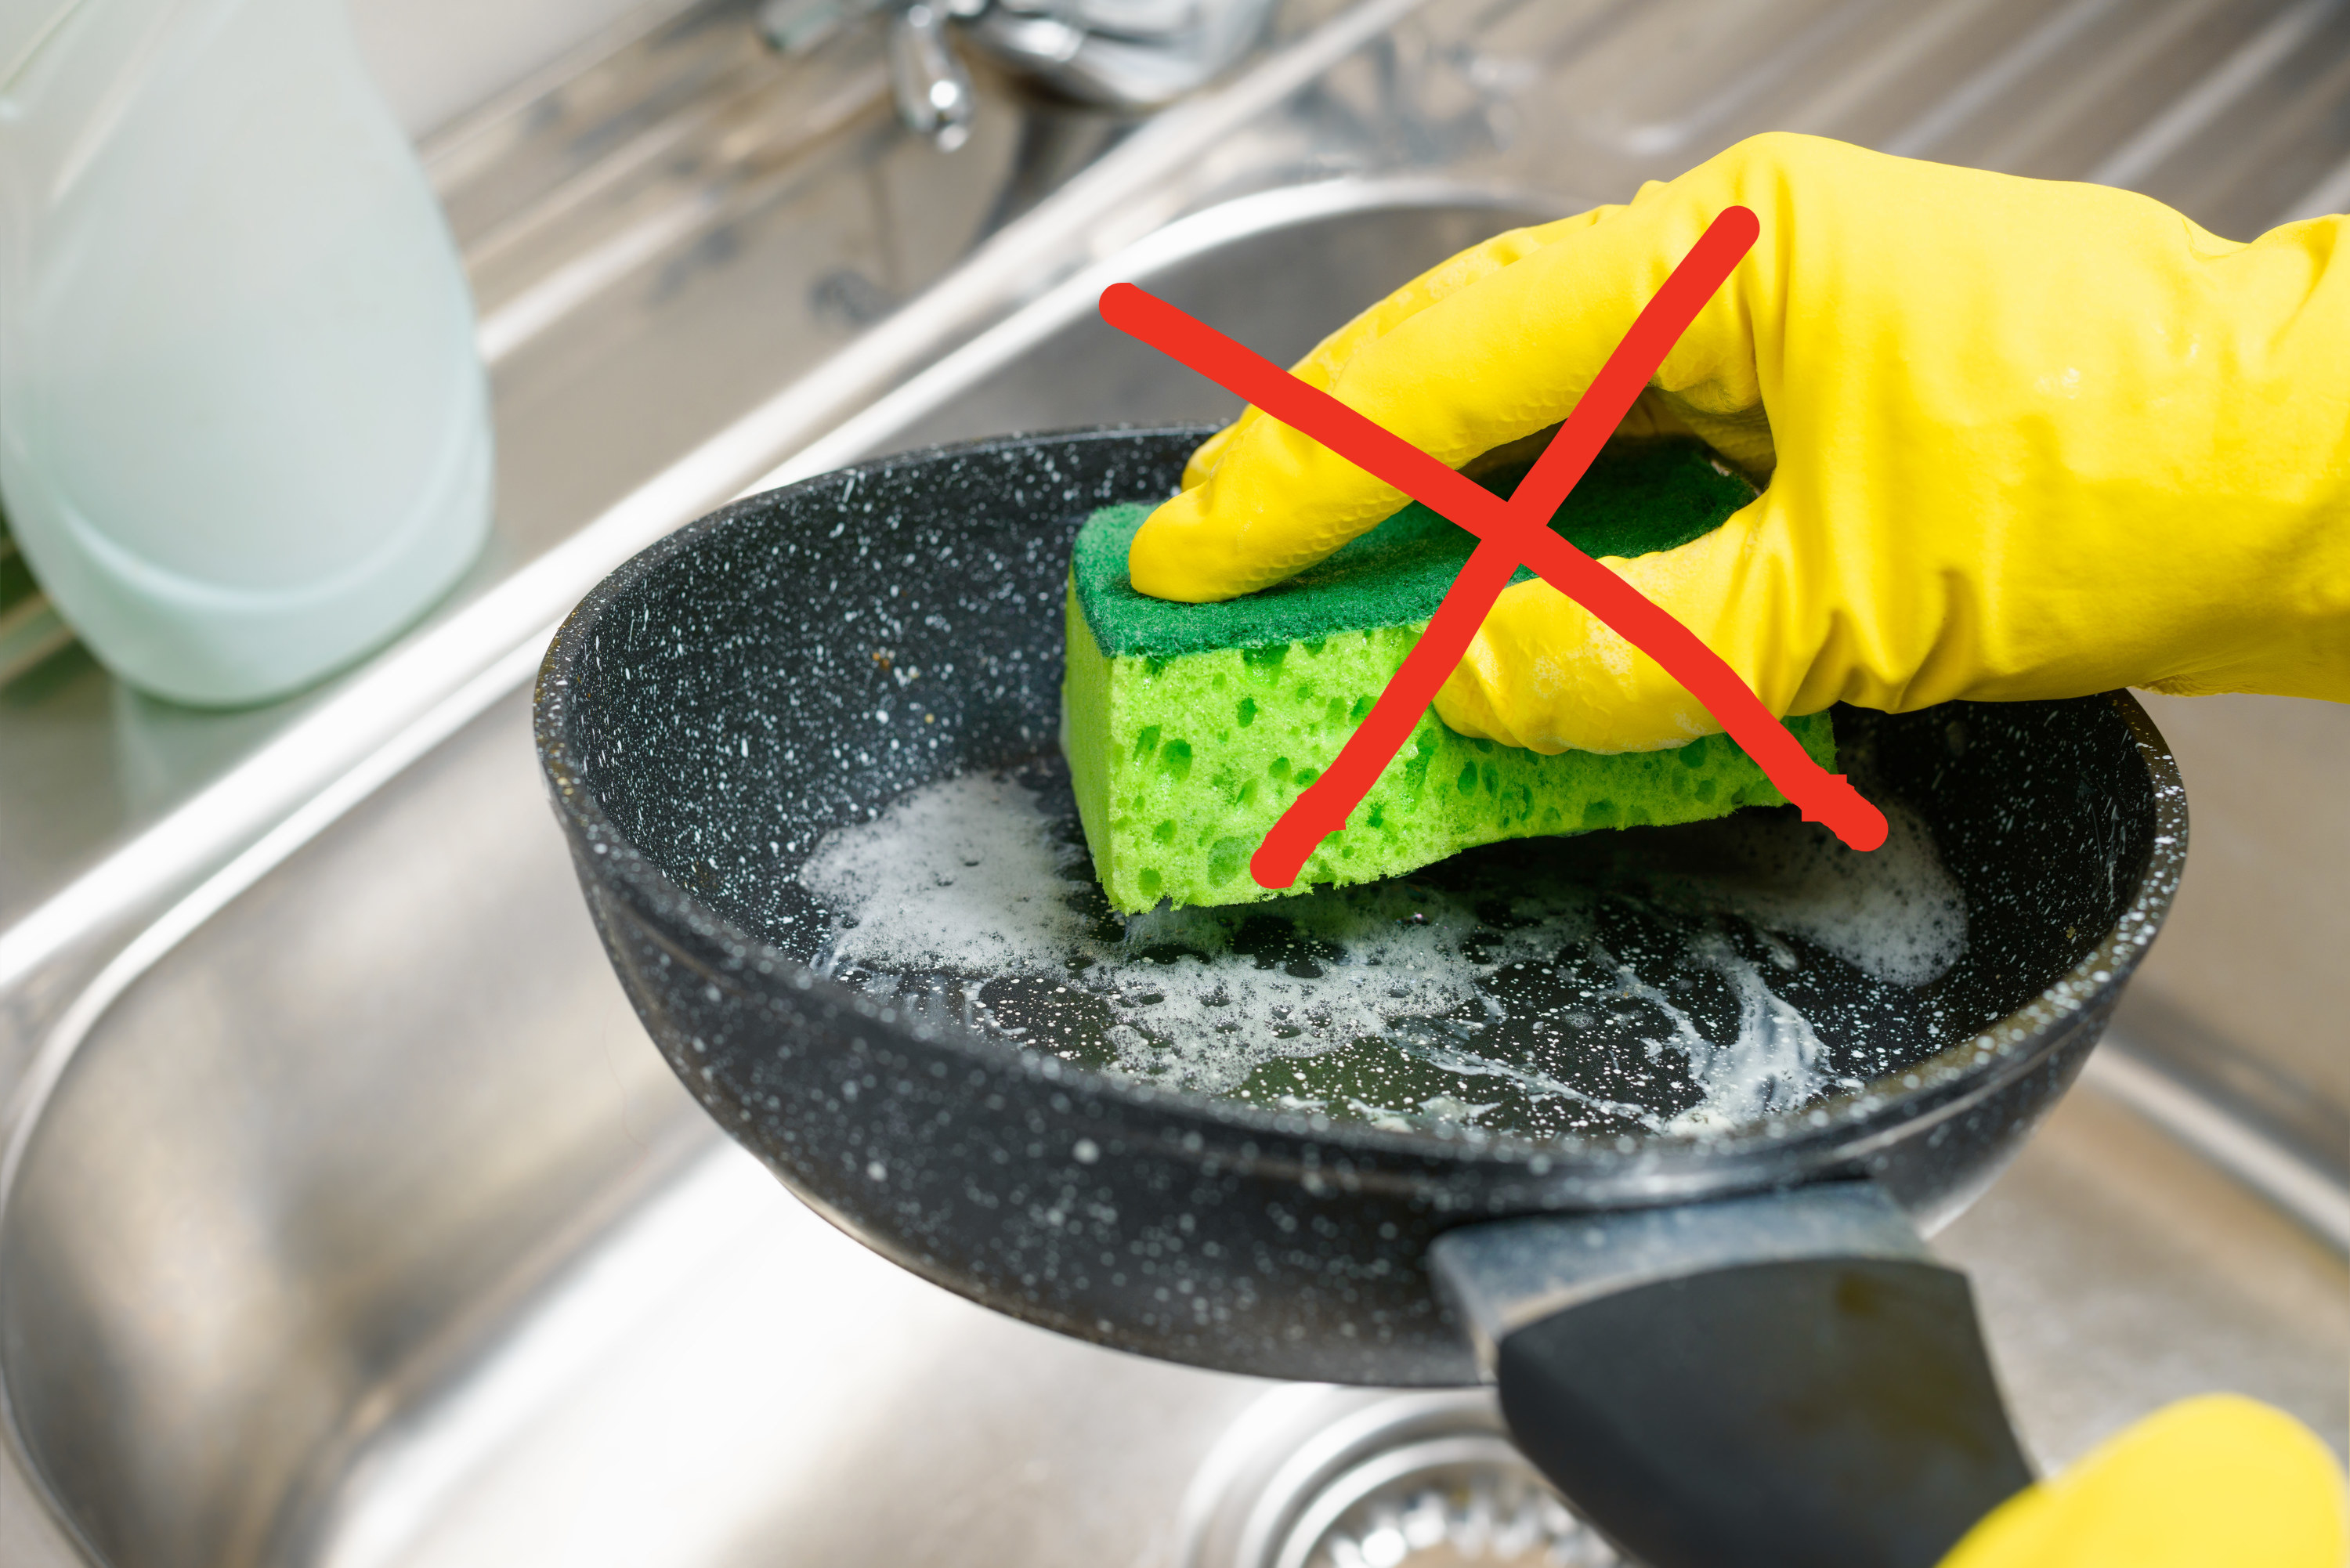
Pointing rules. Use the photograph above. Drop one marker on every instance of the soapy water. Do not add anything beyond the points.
(1678, 980)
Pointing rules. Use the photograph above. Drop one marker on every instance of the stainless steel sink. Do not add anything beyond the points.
(349, 1218)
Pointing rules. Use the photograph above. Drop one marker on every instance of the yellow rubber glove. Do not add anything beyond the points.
(2215, 1482)
(2019, 438)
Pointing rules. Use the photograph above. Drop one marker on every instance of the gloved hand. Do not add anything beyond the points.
(2208, 1482)
(2019, 439)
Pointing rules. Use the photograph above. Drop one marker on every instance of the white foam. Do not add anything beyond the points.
(1770, 1066)
(968, 878)
(963, 875)
(1895, 913)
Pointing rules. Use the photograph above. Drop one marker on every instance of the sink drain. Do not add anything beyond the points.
(1432, 1504)
(1329, 1478)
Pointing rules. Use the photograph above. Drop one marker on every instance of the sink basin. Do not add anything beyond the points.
(360, 1224)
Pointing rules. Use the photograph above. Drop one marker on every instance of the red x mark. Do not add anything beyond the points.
(1509, 533)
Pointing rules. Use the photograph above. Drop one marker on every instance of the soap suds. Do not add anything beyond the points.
(1893, 913)
(1663, 981)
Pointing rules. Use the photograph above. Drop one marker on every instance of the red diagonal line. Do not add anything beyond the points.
(1508, 531)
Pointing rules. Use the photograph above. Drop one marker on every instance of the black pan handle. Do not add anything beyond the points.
(1788, 1379)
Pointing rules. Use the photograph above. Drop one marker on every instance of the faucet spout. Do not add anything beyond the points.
(933, 90)
(1120, 54)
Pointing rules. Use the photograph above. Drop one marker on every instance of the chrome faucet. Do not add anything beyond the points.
(932, 90)
(1119, 54)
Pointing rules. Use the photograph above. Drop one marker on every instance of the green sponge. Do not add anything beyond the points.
(1190, 728)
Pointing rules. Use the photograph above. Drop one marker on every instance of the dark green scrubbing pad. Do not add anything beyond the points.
(1190, 728)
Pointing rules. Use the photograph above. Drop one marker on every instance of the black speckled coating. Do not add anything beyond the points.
(716, 706)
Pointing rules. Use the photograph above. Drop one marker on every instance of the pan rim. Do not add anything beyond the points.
(1837, 1134)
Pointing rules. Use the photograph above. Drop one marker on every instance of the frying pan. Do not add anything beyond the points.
(1723, 1348)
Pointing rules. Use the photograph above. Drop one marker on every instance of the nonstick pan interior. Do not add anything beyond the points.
(807, 753)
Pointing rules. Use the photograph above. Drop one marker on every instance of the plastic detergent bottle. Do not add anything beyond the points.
(244, 432)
